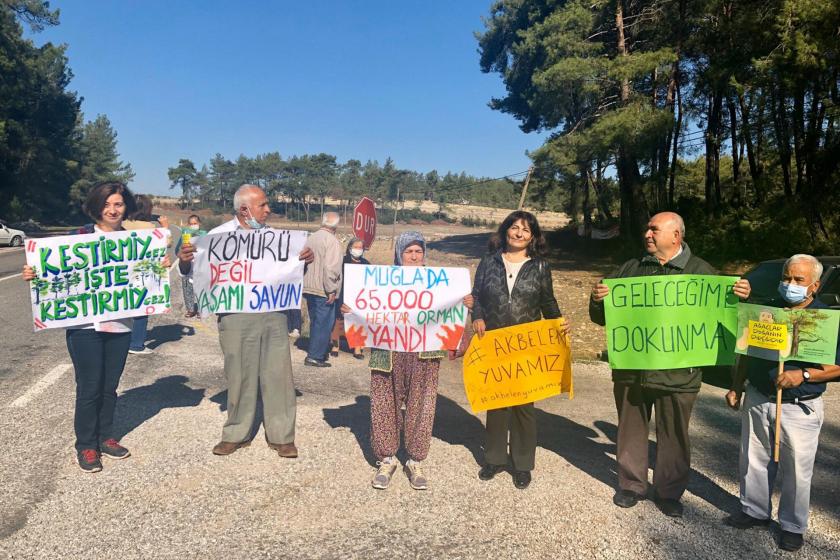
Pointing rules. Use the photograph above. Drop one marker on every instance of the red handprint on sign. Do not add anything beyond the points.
(452, 338)
(356, 337)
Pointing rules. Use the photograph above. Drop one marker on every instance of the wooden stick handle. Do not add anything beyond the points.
(778, 414)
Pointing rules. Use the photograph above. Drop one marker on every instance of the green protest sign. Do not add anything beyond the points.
(810, 335)
(668, 322)
(101, 276)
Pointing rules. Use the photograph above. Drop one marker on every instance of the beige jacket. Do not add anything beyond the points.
(323, 275)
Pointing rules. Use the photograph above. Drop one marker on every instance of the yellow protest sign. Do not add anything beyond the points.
(518, 365)
(772, 336)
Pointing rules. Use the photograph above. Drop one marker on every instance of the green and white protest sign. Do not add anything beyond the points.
(96, 277)
(673, 321)
(248, 271)
(777, 334)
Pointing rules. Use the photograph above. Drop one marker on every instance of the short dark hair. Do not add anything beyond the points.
(144, 208)
(98, 195)
(536, 248)
(196, 216)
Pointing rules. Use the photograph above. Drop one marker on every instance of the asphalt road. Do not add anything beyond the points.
(174, 499)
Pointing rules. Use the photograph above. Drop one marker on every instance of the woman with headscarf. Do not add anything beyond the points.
(403, 393)
(512, 286)
(353, 255)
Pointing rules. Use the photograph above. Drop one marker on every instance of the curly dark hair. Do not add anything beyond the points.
(98, 195)
(536, 248)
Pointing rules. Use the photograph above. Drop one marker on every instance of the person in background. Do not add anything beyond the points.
(193, 229)
(99, 349)
(295, 320)
(802, 384)
(141, 218)
(353, 255)
(512, 286)
(321, 284)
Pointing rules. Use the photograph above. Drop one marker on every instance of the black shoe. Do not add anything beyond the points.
(88, 460)
(626, 498)
(741, 520)
(111, 448)
(671, 508)
(521, 479)
(487, 472)
(316, 363)
(334, 352)
(790, 541)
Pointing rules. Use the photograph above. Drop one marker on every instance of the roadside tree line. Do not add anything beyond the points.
(304, 183)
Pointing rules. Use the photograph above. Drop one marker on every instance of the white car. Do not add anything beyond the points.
(11, 237)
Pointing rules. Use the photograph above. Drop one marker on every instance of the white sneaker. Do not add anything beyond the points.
(294, 333)
(387, 468)
(416, 478)
(143, 351)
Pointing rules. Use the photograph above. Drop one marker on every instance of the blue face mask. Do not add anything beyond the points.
(793, 293)
(253, 223)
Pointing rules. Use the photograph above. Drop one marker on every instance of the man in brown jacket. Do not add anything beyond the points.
(670, 392)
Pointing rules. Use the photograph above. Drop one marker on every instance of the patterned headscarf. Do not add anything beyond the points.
(405, 239)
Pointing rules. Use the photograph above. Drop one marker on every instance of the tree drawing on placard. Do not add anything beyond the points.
(158, 270)
(804, 327)
(69, 282)
(56, 286)
(74, 280)
(40, 287)
(143, 269)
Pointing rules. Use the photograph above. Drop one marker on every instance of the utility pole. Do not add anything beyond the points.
(394, 227)
(525, 188)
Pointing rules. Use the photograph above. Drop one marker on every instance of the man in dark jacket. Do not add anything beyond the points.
(670, 392)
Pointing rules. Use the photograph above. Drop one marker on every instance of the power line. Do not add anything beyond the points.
(448, 188)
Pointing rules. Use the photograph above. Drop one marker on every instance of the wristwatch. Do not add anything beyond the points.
(806, 375)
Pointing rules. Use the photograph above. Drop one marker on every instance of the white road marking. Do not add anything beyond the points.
(12, 276)
(41, 385)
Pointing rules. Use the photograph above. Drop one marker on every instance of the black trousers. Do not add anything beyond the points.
(521, 422)
(673, 448)
(98, 360)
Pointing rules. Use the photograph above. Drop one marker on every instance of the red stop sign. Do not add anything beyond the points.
(364, 221)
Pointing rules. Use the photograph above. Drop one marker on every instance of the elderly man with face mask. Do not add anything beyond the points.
(256, 349)
(802, 384)
(671, 393)
(321, 286)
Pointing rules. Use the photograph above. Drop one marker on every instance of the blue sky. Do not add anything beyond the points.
(363, 80)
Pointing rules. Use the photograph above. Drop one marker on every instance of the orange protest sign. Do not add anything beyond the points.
(518, 365)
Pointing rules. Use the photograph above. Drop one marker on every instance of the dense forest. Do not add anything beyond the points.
(724, 111)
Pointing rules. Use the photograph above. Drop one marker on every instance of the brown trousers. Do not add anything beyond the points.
(673, 448)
